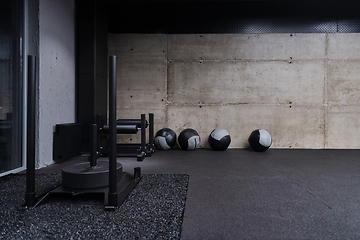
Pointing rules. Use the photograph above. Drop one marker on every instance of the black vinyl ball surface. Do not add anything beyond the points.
(219, 139)
(189, 139)
(165, 139)
(260, 140)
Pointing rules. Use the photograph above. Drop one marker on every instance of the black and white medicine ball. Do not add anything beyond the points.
(165, 139)
(189, 139)
(260, 140)
(219, 139)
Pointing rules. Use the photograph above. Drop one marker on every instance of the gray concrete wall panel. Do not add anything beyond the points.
(343, 124)
(261, 82)
(141, 74)
(138, 46)
(344, 82)
(344, 46)
(247, 46)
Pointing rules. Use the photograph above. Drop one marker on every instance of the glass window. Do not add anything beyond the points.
(11, 21)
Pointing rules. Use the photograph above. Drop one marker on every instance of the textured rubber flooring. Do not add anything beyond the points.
(241, 194)
(153, 210)
(278, 194)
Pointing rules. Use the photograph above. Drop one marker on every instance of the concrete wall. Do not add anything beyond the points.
(302, 88)
(56, 87)
(142, 78)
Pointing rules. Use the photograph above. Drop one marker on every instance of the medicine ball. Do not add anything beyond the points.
(260, 140)
(219, 139)
(189, 139)
(165, 139)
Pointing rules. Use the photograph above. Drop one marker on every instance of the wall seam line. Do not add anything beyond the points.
(167, 81)
(326, 91)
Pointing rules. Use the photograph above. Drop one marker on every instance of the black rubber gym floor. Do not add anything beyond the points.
(153, 210)
(278, 194)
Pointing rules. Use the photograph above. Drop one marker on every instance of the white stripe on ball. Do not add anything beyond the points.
(161, 141)
(265, 138)
(218, 134)
(193, 142)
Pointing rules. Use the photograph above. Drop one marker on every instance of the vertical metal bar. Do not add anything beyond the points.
(112, 132)
(143, 132)
(25, 72)
(98, 132)
(151, 131)
(93, 145)
(30, 156)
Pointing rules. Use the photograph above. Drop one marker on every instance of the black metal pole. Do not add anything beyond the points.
(30, 146)
(143, 133)
(93, 145)
(98, 133)
(112, 132)
(151, 131)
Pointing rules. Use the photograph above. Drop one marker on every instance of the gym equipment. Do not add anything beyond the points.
(140, 150)
(30, 198)
(122, 129)
(64, 146)
(219, 139)
(136, 122)
(130, 126)
(165, 139)
(260, 140)
(189, 139)
(96, 177)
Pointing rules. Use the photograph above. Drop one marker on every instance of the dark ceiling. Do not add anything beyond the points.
(237, 16)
